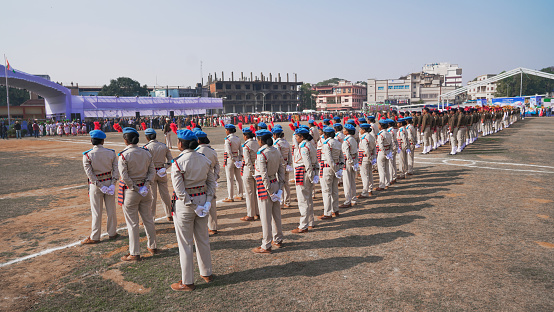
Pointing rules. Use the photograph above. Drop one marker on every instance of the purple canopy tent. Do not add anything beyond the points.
(60, 102)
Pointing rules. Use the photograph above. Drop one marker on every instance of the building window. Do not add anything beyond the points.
(247, 87)
(248, 96)
(380, 88)
(285, 96)
(275, 87)
(275, 96)
(284, 87)
(239, 97)
(237, 87)
(228, 86)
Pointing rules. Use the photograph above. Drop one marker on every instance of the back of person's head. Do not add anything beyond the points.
(132, 138)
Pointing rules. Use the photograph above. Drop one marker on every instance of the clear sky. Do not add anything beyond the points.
(91, 42)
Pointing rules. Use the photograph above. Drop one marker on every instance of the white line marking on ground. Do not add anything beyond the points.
(72, 187)
(50, 250)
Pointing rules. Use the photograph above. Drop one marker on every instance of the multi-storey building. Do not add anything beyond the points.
(256, 94)
(451, 72)
(342, 96)
(482, 92)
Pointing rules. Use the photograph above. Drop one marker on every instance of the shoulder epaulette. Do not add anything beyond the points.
(325, 142)
(119, 154)
(260, 150)
(84, 153)
(109, 149)
(145, 145)
(303, 144)
(174, 159)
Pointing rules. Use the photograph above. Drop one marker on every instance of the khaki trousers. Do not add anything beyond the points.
(349, 184)
(392, 166)
(460, 137)
(286, 189)
(435, 137)
(383, 169)
(330, 190)
(190, 228)
(305, 203)
(160, 184)
(168, 140)
(251, 196)
(411, 160)
(212, 217)
(270, 216)
(403, 163)
(97, 201)
(427, 138)
(367, 177)
(133, 205)
(233, 175)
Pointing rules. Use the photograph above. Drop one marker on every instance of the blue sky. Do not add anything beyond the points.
(91, 42)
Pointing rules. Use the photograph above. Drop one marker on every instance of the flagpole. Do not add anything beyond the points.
(7, 88)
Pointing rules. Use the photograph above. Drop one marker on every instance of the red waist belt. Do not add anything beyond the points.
(299, 175)
(121, 192)
(102, 175)
(262, 192)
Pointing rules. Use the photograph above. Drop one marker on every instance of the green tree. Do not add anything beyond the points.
(123, 86)
(17, 96)
(307, 101)
(532, 85)
(329, 81)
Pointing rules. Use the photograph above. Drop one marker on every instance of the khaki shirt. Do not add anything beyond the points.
(161, 155)
(350, 149)
(232, 148)
(411, 134)
(306, 155)
(425, 121)
(99, 160)
(136, 166)
(331, 154)
(211, 154)
(284, 148)
(394, 142)
(249, 149)
(269, 165)
(367, 145)
(191, 170)
(384, 142)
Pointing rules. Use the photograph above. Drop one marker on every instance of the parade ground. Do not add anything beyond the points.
(473, 231)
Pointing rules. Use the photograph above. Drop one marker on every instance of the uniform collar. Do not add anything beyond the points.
(98, 146)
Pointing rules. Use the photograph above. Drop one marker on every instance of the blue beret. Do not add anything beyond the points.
(400, 120)
(390, 121)
(129, 130)
(149, 131)
(200, 134)
(276, 130)
(351, 121)
(262, 132)
(304, 126)
(246, 130)
(186, 135)
(408, 118)
(361, 120)
(278, 126)
(337, 125)
(383, 121)
(328, 129)
(311, 121)
(336, 118)
(301, 130)
(262, 125)
(349, 127)
(230, 126)
(326, 120)
(365, 125)
(97, 134)
(371, 117)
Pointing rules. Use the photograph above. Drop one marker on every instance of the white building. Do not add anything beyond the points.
(451, 72)
(482, 92)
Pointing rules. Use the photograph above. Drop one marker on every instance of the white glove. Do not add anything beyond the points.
(451, 134)
(238, 164)
(421, 133)
(104, 189)
(338, 174)
(161, 173)
(111, 190)
(373, 161)
(200, 211)
(143, 190)
(409, 151)
(207, 207)
(356, 167)
(399, 150)
(417, 146)
(316, 179)
(277, 197)
(216, 184)
(389, 155)
(289, 168)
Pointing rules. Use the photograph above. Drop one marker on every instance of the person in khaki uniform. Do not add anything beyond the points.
(461, 124)
(249, 149)
(305, 168)
(351, 167)
(402, 139)
(332, 162)
(168, 134)
(411, 133)
(384, 143)
(161, 156)
(394, 150)
(194, 183)
(426, 130)
(137, 172)
(270, 176)
(232, 161)
(284, 147)
(205, 149)
(434, 130)
(366, 158)
(101, 168)
(453, 130)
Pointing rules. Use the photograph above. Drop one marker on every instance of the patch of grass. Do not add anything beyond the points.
(15, 207)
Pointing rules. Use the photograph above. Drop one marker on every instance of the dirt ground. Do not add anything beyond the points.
(467, 232)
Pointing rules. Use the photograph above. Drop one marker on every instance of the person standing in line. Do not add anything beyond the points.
(411, 134)
(205, 149)
(305, 175)
(394, 149)
(100, 166)
(232, 161)
(137, 172)
(161, 157)
(384, 142)
(249, 149)
(366, 157)
(168, 134)
(426, 130)
(332, 163)
(35, 129)
(17, 128)
(284, 148)
(351, 166)
(402, 139)
(193, 179)
(270, 176)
